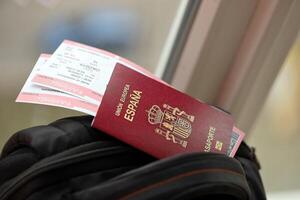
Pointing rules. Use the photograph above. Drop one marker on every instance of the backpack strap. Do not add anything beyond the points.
(188, 176)
(77, 168)
(28, 146)
(247, 157)
(53, 138)
(247, 152)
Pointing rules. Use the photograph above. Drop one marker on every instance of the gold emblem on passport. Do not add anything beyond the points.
(173, 124)
(219, 145)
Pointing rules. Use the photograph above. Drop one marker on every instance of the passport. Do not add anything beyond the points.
(160, 120)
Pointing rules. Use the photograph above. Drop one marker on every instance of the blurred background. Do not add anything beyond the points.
(133, 29)
(275, 133)
(140, 31)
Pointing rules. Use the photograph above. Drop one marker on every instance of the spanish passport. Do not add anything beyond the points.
(160, 120)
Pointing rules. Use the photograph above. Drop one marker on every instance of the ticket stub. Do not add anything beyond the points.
(78, 70)
(32, 93)
(236, 139)
(160, 120)
(81, 70)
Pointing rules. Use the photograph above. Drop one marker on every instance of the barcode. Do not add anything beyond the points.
(233, 141)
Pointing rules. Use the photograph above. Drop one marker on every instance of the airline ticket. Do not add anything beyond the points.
(81, 70)
(32, 93)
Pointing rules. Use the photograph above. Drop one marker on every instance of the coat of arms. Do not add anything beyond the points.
(173, 124)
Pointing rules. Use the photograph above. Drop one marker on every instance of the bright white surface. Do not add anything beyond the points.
(289, 195)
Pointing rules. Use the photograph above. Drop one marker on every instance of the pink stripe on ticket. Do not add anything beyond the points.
(66, 86)
(62, 101)
(44, 55)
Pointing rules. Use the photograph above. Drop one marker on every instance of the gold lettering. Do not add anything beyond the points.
(210, 138)
(137, 93)
(128, 117)
(132, 106)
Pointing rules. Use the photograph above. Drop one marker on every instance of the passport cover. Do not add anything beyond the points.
(160, 120)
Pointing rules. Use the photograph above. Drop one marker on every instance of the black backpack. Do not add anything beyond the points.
(69, 160)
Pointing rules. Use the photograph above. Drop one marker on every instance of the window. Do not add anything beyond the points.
(276, 131)
(137, 30)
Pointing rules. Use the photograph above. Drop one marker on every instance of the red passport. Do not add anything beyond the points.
(160, 120)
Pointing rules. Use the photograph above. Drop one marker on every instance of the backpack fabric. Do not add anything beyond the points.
(69, 160)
